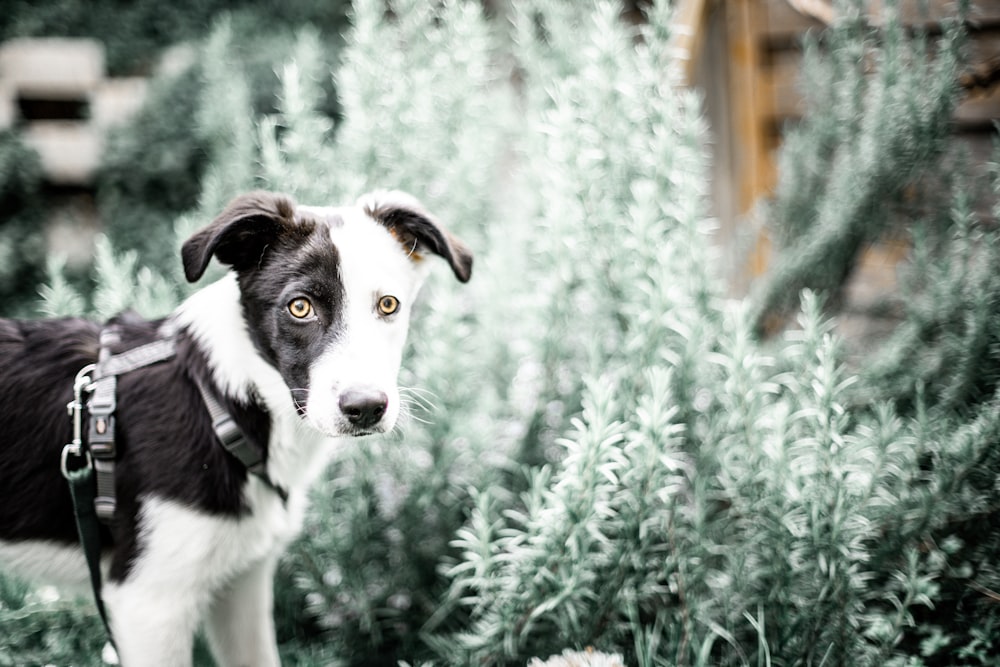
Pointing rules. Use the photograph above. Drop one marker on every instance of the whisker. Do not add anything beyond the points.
(418, 390)
(300, 404)
(406, 411)
(413, 410)
(420, 397)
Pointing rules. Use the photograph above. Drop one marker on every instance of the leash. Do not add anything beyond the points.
(91, 477)
(83, 491)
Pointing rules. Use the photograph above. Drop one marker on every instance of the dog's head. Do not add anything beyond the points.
(327, 294)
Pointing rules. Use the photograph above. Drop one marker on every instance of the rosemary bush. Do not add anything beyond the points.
(867, 158)
(600, 452)
(720, 500)
(22, 248)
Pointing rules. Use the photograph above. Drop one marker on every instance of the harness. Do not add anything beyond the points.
(88, 464)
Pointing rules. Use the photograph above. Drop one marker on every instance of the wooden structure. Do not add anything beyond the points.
(56, 94)
(746, 57)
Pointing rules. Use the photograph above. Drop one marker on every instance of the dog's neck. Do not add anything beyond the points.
(213, 317)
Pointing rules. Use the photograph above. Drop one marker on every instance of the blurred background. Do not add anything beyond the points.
(97, 108)
(724, 387)
(97, 135)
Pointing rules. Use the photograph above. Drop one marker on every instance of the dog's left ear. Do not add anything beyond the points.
(240, 234)
(416, 229)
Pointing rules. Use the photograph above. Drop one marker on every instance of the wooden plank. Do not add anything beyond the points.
(8, 105)
(979, 108)
(52, 68)
(784, 22)
(751, 111)
(116, 100)
(70, 151)
(749, 106)
(781, 22)
(984, 46)
(688, 26)
(782, 82)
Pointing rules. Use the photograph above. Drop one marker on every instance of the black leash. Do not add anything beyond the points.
(83, 490)
(92, 476)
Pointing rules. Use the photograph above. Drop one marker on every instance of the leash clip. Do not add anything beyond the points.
(75, 448)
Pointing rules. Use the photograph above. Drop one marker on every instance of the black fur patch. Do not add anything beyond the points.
(308, 268)
(278, 257)
(164, 437)
(39, 360)
(417, 230)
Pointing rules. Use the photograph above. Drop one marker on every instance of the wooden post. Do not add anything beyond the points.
(688, 34)
(750, 111)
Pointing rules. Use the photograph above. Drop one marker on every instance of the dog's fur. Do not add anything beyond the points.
(195, 538)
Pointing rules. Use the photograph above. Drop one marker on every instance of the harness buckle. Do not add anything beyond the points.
(100, 436)
(101, 430)
(227, 431)
(234, 442)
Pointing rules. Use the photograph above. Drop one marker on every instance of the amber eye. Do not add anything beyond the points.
(388, 305)
(300, 308)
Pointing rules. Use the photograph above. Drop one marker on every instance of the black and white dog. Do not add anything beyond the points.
(300, 342)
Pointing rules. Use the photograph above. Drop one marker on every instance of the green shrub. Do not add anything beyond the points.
(135, 33)
(866, 160)
(601, 453)
(153, 168)
(22, 245)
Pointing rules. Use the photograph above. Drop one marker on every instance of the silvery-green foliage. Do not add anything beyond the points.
(878, 122)
(599, 452)
(22, 237)
(421, 111)
(719, 501)
(225, 120)
(614, 180)
(425, 111)
(754, 528)
(297, 155)
(947, 347)
(58, 297)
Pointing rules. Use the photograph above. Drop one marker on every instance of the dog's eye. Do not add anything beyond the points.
(300, 308)
(388, 305)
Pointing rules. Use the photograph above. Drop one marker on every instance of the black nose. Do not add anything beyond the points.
(363, 407)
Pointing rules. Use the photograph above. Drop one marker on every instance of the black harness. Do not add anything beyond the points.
(88, 464)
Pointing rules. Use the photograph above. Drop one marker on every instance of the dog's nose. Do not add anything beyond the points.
(363, 407)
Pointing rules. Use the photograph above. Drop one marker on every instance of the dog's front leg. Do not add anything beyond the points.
(153, 626)
(240, 621)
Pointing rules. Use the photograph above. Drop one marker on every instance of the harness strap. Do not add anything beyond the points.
(101, 430)
(101, 443)
(102, 405)
(138, 357)
(94, 502)
(233, 440)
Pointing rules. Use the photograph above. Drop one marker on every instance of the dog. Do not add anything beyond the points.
(300, 342)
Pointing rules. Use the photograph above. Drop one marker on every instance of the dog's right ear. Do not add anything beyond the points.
(240, 234)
